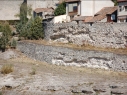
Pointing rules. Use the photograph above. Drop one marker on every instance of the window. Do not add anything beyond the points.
(121, 20)
(120, 8)
(57, 5)
(125, 8)
(113, 17)
(73, 7)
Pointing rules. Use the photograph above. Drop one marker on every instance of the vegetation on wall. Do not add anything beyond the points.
(61, 9)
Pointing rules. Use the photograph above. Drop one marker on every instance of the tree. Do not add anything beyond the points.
(61, 9)
(33, 29)
(25, 10)
(29, 28)
(115, 2)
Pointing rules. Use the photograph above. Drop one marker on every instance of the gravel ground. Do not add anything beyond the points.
(31, 77)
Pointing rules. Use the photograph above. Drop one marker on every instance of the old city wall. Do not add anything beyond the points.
(111, 35)
(74, 57)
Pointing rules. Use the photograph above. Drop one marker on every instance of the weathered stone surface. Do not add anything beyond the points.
(74, 57)
(8, 54)
(119, 91)
(99, 34)
(100, 88)
(83, 89)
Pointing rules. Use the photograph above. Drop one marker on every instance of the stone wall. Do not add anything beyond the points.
(112, 35)
(73, 57)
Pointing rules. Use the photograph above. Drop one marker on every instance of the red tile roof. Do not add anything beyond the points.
(106, 10)
(101, 14)
(95, 18)
(80, 18)
(121, 0)
(38, 10)
(72, 0)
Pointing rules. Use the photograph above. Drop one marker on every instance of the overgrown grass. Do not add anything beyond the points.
(6, 69)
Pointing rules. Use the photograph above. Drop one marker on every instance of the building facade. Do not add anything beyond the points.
(9, 8)
(85, 7)
(122, 11)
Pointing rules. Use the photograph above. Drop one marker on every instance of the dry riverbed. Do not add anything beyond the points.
(31, 77)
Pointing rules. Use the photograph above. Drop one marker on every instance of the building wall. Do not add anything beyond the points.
(9, 8)
(87, 8)
(61, 18)
(90, 7)
(99, 4)
(42, 3)
(123, 12)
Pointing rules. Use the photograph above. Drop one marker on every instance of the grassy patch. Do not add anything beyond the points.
(82, 47)
(6, 69)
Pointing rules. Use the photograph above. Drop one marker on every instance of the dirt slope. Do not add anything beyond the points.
(59, 80)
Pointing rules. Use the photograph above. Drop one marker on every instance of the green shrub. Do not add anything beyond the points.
(29, 29)
(61, 9)
(6, 35)
(115, 2)
(1, 28)
(33, 29)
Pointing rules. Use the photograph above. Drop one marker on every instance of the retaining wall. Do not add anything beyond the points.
(112, 35)
(74, 57)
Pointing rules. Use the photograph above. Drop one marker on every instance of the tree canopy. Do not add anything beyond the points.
(61, 9)
(115, 2)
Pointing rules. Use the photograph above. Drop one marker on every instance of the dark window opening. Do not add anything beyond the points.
(73, 7)
(120, 8)
(125, 8)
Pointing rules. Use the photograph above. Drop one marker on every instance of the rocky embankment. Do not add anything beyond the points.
(111, 35)
(74, 57)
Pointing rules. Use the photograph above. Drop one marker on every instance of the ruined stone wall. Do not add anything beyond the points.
(73, 57)
(112, 35)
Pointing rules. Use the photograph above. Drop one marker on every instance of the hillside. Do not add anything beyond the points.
(58, 80)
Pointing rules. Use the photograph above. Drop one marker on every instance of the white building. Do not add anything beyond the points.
(122, 10)
(85, 7)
